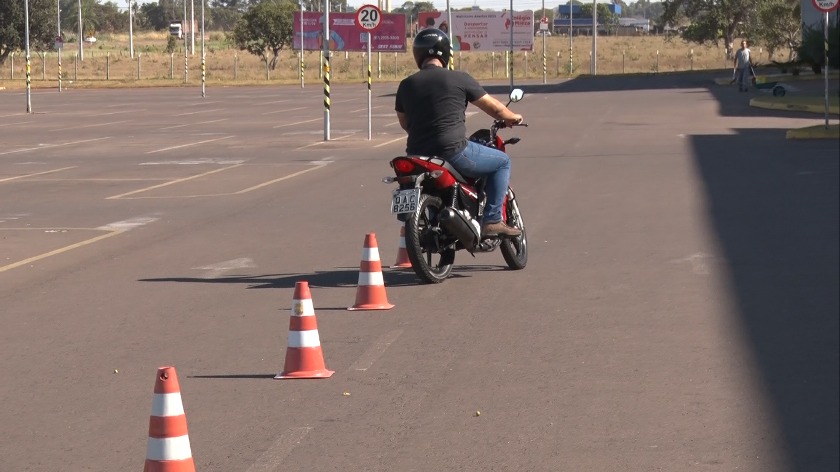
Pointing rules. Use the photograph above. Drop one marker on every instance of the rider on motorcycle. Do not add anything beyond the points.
(431, 106)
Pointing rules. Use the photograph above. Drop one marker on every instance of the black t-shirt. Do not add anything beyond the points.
(435, 100)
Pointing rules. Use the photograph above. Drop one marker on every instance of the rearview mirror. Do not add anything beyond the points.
(516, 95)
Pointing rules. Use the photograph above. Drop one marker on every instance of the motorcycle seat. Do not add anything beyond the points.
(440, 162)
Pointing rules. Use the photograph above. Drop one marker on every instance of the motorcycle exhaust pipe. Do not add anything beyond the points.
(457, 224)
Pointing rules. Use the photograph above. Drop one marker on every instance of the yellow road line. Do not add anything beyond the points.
(59, 250)
(37, 173)
(172, 182)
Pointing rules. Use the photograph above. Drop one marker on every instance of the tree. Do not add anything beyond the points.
(779, 25)
(711, 20)
(605, 16)
(265, 28)
(42, 28)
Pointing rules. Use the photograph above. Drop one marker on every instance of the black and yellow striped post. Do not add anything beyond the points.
(28, 83)
(370, 108)
(59, 69)
(326, 96)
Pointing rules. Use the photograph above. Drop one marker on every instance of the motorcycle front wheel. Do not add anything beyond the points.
(431, 264)
(515, 250)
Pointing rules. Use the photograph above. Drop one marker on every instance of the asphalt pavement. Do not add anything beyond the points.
(678, 311)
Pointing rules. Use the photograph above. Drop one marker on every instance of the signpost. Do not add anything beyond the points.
(825, 6)
(368, 17)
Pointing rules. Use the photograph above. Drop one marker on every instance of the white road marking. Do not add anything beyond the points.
(118, 112)
(128, 224)
(284, 111)
(47, 146)
(188, 145)
(171, 182)
(199, 111)
(366, 360)
(698, 262)
(193, 162)
(36, 173)
(90, 126)
(193, 124)
(322, 142)
(215, 270)
(300, 172)
(401, 138)
(274, 457)
(372, 108)
(297, 123)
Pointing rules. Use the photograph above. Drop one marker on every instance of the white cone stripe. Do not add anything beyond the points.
(370, 254)
(167, 404)
(371, 278)
(169, 449)
(402, 242)
(304, 338)
(306, 304)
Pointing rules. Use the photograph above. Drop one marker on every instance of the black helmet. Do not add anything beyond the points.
(432, 42)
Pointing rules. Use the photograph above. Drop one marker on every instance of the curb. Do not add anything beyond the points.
(814, 132)
(806, 104)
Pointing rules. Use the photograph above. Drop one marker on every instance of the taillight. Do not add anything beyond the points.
(403, 166)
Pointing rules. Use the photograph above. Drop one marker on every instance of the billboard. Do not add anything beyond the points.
(484, 30)
(346, 36)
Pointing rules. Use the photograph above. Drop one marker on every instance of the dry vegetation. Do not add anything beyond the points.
(107, 63)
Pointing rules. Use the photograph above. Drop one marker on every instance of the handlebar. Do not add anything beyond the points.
(501, 124)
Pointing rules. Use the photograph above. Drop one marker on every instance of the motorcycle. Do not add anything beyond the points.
(441, 210)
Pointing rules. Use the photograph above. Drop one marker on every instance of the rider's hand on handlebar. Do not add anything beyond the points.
(515, 121)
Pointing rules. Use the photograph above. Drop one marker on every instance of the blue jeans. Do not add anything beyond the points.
(743, 78)
(481, 161)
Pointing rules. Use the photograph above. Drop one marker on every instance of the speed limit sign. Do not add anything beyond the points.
(825, 5)
(368, 17)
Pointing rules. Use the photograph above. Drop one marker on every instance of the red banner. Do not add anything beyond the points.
(345, 35)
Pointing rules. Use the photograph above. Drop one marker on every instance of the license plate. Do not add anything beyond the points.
(405, 201)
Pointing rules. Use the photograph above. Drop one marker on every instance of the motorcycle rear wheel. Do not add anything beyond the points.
(419, 233)
(515, 250)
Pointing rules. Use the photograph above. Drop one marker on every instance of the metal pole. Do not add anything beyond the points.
(59, 41)
(130, 31)
(370, 105)
(192, 23)
(571, 22)
(825, 67)
(301, 44)
(326, 50)
(203, 58)
(449, 25)
(545, 70)
(593, 64)
(512, 25)
(81, 37)
(28, 65)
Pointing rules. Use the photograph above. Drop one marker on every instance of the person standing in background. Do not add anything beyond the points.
(742, 66)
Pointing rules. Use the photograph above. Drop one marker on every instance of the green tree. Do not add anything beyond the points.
(70, 16)
(42, 26)
(605, 16)
(779, 25)
(712, 21)
(265, 29)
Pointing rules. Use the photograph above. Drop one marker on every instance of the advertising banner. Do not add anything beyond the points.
(345, 35)
(483, 31)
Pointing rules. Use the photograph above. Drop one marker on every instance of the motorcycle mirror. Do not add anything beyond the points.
(516, 95)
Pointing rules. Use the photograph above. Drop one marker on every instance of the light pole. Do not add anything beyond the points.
(593, 66)
(301, 44)
(81, 37)
(192, 23)
(203, 63)
(512, 23)
(58, 41)
(130, 31)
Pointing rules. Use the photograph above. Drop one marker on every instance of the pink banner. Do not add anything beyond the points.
(346, 36)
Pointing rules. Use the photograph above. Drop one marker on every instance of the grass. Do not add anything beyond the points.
(107, 63)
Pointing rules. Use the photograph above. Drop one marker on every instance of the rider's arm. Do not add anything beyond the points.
(403, 120)
(497, 109)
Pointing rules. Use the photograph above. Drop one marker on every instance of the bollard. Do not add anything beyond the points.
(44, 66)
(171, 65)
(186, 67)
(657, 61)
(493, 64)
(108, 66)
(507, 64)
(75, 66)
(139, 56)
(12, 75)
(59, 69)
(691, 55)
(236, 67)
(395, 65)
(558, 64)
(526, 64)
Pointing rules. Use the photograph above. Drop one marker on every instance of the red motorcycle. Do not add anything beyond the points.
(442, 209)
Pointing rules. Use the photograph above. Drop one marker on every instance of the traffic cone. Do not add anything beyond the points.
(402, 255)
(304, 359)
(168, 447)
(370, 294)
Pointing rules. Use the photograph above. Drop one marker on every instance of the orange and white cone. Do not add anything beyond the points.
(168, 447)
(402, 255)
(304, 358)
(370, 294)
